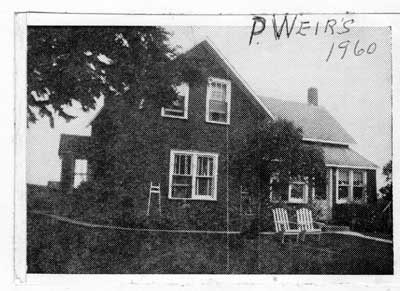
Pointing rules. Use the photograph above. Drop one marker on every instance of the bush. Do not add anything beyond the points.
(98, 203)
(363, 217)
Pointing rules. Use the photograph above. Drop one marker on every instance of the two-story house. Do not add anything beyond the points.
(186, 147)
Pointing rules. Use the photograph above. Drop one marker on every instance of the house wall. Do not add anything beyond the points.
(67, 172)
(134, 148)
(371, 186)
(131, 147)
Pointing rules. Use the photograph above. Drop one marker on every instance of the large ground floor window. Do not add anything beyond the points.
(351, 185)
(193, 175)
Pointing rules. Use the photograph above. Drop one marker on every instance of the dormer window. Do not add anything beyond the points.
(218, 101)
(179, 107)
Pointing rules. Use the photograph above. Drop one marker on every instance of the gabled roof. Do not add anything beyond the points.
(234, 75)
(317, 123)
(336, 156)
(75, 144)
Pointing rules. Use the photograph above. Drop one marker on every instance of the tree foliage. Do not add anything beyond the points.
(387, 189)
(277, 148)
(82, 63)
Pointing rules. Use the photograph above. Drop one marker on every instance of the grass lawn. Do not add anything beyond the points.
(58, 247)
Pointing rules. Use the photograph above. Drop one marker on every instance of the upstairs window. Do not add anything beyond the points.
(193, 175)
(80, 172)
(179, 107)
(218, 101)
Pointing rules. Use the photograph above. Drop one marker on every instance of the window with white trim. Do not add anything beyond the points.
(343, 178)
(80, 172)
(294, 192)
(179, 107)
(298, 191)
(359, 185)
(193, 175)
(218, 100)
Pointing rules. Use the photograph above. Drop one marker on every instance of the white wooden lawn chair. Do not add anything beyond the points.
(306, 223)
(282, 224)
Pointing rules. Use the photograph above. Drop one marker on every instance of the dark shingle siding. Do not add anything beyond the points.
(76, 144)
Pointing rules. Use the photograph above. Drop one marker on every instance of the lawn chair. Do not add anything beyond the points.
(282, 224)
(306, 223)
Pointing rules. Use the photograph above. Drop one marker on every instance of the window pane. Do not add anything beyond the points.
(358, 193)
(79, 179)
(297, 191)
(177, 108)
(344, 177)
(220, 117)
(204, 166)
(218, 91)
(181, 187)
(218, 106)
(182, 164)
(357, 178)
(204, 186)
(80, 172)
(343, 192)
(81, 166)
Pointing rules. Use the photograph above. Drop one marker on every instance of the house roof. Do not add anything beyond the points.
(233, 73)
(317, 123)
(76, 144)
(345, 157)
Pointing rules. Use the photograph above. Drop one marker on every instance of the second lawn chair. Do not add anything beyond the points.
(282, 224)
(306, 223)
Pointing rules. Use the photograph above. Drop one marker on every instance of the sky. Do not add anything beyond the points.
(356, 90)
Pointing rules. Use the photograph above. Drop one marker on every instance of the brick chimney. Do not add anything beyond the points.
(312, 96)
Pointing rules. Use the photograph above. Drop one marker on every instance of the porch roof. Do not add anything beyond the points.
(345, 157)
(317, 123)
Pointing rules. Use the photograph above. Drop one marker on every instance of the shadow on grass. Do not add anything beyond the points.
(59, 247)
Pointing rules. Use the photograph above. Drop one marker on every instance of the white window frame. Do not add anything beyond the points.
(290, 199)
(303, 200)
(228, 100)
(364, 187)
(183, 90)
(348, 199)
(83, 175)
(194, 155)
(351, 185)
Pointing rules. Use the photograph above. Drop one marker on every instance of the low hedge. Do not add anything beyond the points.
(364, 217)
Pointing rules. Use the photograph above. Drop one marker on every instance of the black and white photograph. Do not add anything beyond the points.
(209, 147)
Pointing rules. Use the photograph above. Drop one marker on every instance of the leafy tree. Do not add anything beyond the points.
(387, 189)
(277, 148)
(82, 63)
